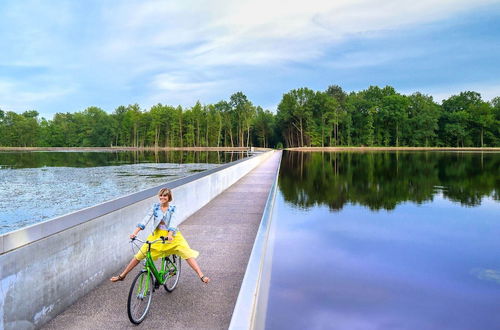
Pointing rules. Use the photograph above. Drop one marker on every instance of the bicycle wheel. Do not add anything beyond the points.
(139, 297)
(174, 264)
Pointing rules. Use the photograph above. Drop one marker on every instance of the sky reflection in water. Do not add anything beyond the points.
(433, 265)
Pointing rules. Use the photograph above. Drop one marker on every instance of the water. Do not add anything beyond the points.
(387, 241)
(37, 186)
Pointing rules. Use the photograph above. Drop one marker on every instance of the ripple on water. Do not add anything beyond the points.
(31, 195)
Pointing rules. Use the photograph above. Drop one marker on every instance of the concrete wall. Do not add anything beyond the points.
(251, 306)
(47, 267)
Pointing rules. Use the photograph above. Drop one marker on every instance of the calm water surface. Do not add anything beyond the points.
(387, 241)
(37, 186)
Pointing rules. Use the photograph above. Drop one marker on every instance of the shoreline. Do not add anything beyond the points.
(333, 149)
(240, 149)
(82, 149)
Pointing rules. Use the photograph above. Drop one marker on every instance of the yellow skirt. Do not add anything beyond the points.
(178, 246)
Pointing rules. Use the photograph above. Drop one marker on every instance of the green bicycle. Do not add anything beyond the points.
(149, 279)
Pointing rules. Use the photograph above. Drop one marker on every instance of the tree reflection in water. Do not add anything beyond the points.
(382, 180)
(31, 159)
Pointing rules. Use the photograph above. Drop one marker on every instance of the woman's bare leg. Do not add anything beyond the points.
(192, 262)
(131, 265)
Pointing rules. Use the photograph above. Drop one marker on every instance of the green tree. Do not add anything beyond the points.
(323, 128)
(341, 122)
(456, 122)
(244, 111)
(98, 128)
(295, 111)
(423, 120)
(362, 115)
(394, 112)
(482, 120)
(495, 127)
(3, 129)
(455, 128)
(19, 130)
(264, 125)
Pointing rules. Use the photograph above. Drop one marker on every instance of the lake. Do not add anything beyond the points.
(386, 240)
(37, 186)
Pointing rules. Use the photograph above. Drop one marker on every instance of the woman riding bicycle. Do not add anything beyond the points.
(164, 224)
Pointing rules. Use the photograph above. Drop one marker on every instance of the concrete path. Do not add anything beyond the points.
(223, 232)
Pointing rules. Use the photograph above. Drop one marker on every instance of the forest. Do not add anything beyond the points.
(304, 117)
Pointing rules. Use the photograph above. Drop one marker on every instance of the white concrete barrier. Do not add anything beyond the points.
(251, 306)
(46, 267)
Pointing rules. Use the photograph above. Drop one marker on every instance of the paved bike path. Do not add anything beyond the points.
(223, 232)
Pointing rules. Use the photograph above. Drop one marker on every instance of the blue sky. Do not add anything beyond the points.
(64, 56)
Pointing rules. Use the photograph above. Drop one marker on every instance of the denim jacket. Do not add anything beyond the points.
(157, 215)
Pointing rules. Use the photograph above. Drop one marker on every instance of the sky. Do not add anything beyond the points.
(65, 56)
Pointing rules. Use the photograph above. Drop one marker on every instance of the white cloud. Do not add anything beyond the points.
(487, 91)
(119, 44)
(487, 274)
(176, 82)
(358, 59)
(196, 35)
(15, 97)
(259, 32)
(184, 89)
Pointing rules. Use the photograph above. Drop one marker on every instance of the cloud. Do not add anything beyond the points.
(260, 32)
(172, 82)
(488, 91)
(200, 37)
(185, 88)
(371, 58)
(486, 274)
(14, 96)
(168, 49)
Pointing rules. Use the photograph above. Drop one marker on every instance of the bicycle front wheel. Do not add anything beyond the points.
(173, 263)
(139, 297)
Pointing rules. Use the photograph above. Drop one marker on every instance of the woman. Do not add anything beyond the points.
(164, 224)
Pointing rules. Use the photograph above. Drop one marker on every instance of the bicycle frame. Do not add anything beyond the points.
(167, 267)
(150, 279)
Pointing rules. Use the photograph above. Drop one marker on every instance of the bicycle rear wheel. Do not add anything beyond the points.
(139, 297)
(174, 264)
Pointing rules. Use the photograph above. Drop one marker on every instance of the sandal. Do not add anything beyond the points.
(117, 278)
(205, 279)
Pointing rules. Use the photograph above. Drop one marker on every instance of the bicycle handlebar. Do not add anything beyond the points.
(162, 238)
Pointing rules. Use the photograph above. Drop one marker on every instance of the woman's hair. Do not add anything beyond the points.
(165, 192)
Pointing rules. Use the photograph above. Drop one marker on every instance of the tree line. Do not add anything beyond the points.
(372, 117)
